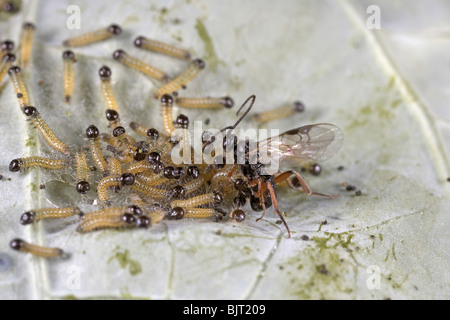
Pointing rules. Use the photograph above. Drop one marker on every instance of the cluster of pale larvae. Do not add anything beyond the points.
(139, 160)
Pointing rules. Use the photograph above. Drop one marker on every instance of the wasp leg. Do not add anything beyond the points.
(232, 171)
(275, 206)
(285, 177)
(261, 199)
(304, 186)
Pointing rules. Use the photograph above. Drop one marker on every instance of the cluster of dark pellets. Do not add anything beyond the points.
(156, 187)
(349, 187)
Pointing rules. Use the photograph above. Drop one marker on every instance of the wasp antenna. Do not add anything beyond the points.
(252, 98)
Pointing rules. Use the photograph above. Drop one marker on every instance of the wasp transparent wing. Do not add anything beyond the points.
(315, 142)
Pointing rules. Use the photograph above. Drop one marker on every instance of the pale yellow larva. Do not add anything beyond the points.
(37, 162)
(68, 75)
(26, 44)
(83, 185)
(280, 112)
(204, 103)
(93, 36)
(92, 134)
(36, 215)
(15, 73)
(182, 80)
(161, 47)
(36, 119)
(203, 199)
(140, 66)
(40, 251)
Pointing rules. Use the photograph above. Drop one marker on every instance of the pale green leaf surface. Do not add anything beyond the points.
(387, 89)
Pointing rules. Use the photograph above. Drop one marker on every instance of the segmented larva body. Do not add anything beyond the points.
(123, 158)
(193, 185)
(115, 170)
(203, 199)
(161, 47)
(148, 190)
(137, 200)
(139, 129)
(19, 86)
(199, 212)
(101, 222)
(82, 173)
(111, 211)
(156, 216)
(204, 103)
(109, 139)
(111, 181)
(6, 47)
(45, 252)
(82, 167)
(220, 181)
(106, 88)
(93, 36)
(138, 167)
(26, 43)
(191, 72)
(96, 152)
(36, 215)
(69, 75)
(150, 179)
(140, 66)
(6, 64)
(37, 162)
(115, 167)
(283, 111)
(115, 217)
(179, 213)
(164, 146)
(166, 112)
(45, 130)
